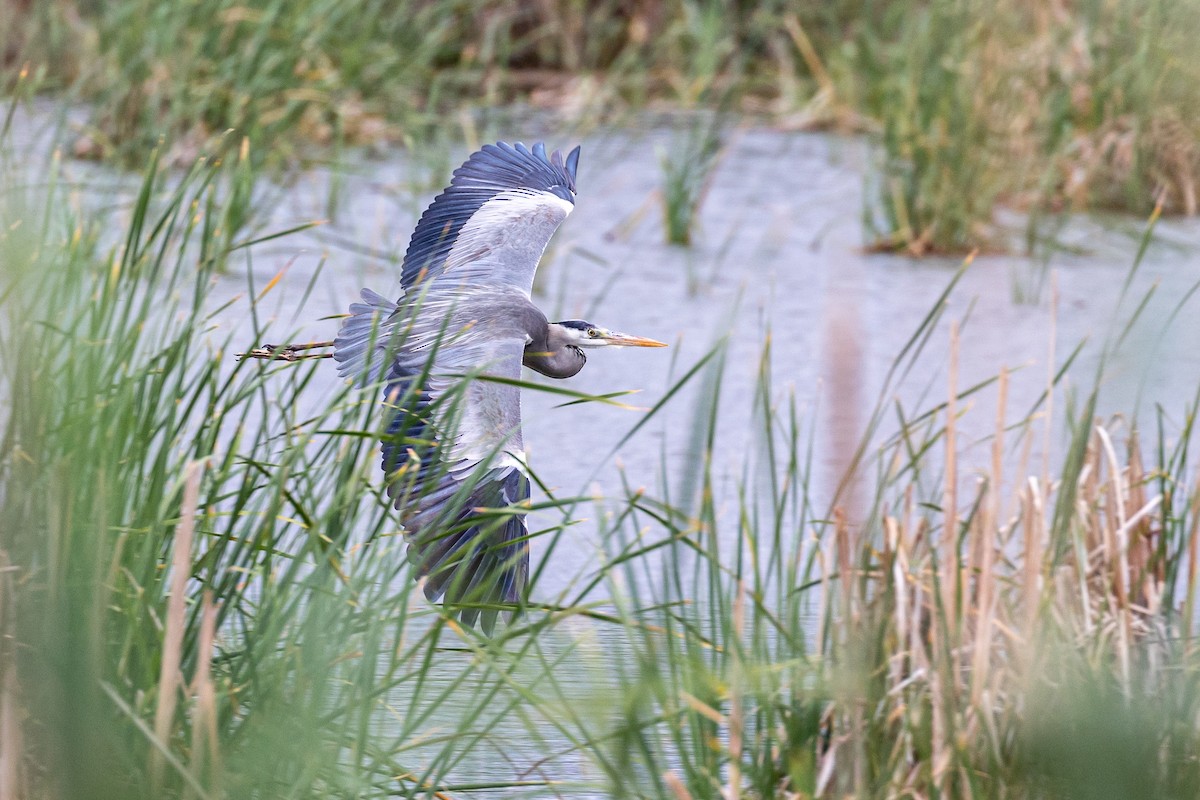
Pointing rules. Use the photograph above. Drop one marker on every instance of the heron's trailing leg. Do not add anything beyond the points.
(288, 352)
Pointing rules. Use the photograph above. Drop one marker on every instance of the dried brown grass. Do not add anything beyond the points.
(958, 632)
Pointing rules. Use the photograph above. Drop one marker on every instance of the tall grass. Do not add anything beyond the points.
(1122, 109)
(204, 597)
(1007, 102)
(687, 170)
(934, 186)
(970, 104)
(1027, 634)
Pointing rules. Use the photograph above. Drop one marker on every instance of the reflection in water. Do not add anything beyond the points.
(842, 368)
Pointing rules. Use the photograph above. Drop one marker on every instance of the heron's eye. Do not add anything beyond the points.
(593, 333)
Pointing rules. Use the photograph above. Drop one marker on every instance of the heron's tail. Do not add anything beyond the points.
(361, 348)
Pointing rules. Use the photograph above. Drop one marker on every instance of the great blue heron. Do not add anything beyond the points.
(465, 314)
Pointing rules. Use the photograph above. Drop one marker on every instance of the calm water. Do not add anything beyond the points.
(779, 250)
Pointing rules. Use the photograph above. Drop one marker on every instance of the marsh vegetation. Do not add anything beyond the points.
(950, 579)
(1041, 108)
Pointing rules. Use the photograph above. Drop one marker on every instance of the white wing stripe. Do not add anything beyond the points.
(503, 241)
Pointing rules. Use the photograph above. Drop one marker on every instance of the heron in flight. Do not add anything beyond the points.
(449, 353)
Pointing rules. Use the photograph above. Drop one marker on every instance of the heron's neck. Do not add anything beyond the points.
(553, 355)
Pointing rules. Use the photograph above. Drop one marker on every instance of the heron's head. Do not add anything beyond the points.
(580, 333)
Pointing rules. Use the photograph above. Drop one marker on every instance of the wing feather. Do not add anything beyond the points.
(526, 184)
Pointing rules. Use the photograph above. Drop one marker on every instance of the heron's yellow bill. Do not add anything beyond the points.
(625, 340)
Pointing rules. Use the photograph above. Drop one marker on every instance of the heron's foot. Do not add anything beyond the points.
(287, 352)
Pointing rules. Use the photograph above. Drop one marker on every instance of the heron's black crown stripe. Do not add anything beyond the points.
(496, 168)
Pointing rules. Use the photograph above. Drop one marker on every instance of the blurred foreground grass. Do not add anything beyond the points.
(202, 596)
(1041, 106)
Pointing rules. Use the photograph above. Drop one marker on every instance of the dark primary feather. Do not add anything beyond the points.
(494, 169)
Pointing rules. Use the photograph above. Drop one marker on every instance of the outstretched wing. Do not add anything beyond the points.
(491, 225)
(453, 451)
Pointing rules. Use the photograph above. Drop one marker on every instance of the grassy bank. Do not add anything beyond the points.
(203, 597)
(1087, 105)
